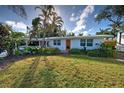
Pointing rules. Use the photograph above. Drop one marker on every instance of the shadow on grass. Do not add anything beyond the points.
(49, 76)
(28, 76)
(8, 61)
(98, 59)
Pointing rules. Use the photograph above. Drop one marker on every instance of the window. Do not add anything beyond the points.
(82, 42)
(54, 42)
(57, 42)
(34, 43)
(89, 42)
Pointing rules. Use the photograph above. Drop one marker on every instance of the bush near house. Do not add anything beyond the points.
(17, 52)
(109, 44)
(42, 51)
(107, 49)
(77, 51)
(101, 53)
(50, 51)
(30, 50)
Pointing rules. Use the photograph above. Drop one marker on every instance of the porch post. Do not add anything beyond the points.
(120, 37)
(39, 43)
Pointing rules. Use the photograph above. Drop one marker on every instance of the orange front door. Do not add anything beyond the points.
(68, 44)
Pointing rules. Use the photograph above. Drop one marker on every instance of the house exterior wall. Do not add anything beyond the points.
(75, 43)
(118, 35)
(120, 46)
(61, 47)
(122, 38)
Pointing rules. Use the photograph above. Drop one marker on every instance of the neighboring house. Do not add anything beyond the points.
(120, 41)
(69, 42)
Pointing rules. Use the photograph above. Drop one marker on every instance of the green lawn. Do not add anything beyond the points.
(63, 71)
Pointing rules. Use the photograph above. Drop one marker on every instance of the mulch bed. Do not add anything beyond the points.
(120, 55)
(10, 59)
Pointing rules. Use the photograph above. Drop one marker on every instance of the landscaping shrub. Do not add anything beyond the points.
(77, 51)
(101, 53)
(107, 49)
(109, 44)
(50, 51)
(42, 51)
(30, 50)
(17, 52)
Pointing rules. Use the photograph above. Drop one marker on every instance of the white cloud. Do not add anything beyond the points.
(81, 23)
(85, 33)
(20, 26)
(95, 15)
(90, 29)
(57, 10)
(73, 14)
(72, 18)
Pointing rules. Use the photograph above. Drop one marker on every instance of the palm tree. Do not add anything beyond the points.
(56, 24)
(36, 28)
(45, 18)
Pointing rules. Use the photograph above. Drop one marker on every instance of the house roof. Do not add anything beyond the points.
(74, 37)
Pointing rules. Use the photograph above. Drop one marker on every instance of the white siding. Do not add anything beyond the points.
(75, 43)
(118, 36)
(61, 47)
(122, 38)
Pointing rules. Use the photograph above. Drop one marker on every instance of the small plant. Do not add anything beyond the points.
(109, 44)
(102, 53)
(77, 51)
(50, 51)
(17, 52)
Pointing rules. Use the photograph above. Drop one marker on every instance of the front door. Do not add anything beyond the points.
(68, 44)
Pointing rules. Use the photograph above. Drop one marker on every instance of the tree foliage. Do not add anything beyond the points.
(8, 38)
(48, 24)
(71, 34)
(114, 14)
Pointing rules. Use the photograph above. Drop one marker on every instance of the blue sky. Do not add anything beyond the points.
(77, 18)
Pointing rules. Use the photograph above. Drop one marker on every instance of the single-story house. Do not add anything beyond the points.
(120, 41)
(69, 42)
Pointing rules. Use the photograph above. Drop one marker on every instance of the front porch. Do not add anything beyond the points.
(37, 43)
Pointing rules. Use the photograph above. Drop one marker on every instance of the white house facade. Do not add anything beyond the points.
(120, 41)
(66, 43)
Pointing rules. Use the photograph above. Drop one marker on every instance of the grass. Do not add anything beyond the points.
(63, 71)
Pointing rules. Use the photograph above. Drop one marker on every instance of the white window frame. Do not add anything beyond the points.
(82, 41)
(91, 42)
(57, 42)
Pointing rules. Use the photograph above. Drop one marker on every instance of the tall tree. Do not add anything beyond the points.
(56, 24)
(71, 34)
(50, 21)
(36, 28)
(114, 14)
(9, 39)
(106, 31)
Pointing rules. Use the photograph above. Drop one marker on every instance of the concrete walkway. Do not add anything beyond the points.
(121, 60)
